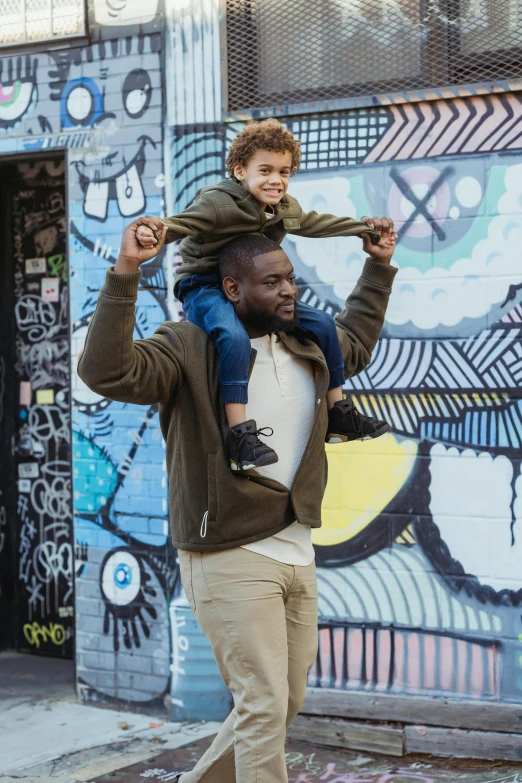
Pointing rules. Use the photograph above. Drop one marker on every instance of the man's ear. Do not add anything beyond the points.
(231, 289)
(238, 172)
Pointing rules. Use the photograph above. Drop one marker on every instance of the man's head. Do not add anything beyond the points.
(258, 279)
(263, 157)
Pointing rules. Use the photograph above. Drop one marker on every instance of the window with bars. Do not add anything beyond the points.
(282, 52)
(29, 21)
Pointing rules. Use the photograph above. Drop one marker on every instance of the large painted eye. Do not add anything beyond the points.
(121, 578)
(17, 89)
(81, 103)
(15, 99)
(137, 93)
(127, 592)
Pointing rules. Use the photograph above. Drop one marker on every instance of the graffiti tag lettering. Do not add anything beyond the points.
(37, 634)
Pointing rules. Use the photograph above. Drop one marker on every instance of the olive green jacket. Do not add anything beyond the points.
(226, 210)
(178, 367)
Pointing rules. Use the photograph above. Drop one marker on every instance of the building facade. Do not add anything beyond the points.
(407, 109)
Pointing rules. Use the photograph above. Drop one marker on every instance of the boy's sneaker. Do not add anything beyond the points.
(346, 423)
(244, 448)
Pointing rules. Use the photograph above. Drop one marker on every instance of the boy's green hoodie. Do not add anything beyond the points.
(226, 210)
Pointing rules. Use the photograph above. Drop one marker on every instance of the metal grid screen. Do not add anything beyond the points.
(282, 52)
(23, 21)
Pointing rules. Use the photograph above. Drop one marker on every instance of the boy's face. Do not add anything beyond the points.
(266, 175)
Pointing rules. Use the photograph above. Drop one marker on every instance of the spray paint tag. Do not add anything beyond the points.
(25, 393)
(50, 289)
(27, 470)
(45, 397)
(24, 485)
(35, 266)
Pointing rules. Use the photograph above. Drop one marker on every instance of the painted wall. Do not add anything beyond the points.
(419, 555)
(103, 104)
(420, 583)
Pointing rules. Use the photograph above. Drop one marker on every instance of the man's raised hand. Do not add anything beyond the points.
(384, 250)
(132, 254)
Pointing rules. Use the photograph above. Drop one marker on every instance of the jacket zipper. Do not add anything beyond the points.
(204, 525)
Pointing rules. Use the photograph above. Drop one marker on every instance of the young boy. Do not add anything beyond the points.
(253, 200)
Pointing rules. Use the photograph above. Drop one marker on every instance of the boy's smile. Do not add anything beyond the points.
(266, 176)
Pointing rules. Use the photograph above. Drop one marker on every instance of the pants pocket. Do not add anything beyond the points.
(185, 569)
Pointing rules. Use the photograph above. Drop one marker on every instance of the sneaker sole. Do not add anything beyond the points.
(334, 437)
(261, 463)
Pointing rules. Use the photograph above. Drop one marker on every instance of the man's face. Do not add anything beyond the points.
(266, 175)
(265, 298)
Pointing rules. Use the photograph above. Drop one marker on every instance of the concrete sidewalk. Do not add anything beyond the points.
(47, 735)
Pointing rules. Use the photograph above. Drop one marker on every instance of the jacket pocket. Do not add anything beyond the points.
(291, 223)
(212, 488)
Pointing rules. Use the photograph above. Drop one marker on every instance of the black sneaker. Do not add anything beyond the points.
(244, 448)
(346, 423)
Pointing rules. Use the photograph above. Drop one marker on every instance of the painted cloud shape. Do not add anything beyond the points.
(469, 288)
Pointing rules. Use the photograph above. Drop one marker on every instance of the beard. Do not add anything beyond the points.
(266, 321)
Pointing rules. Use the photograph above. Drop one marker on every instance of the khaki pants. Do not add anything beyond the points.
(260, 617)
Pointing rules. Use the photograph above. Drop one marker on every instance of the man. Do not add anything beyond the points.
(244, 540)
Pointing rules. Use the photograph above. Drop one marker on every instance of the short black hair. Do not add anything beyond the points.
(237, 256)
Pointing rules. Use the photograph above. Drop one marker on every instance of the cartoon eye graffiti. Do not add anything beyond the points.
(121, 581)
(125, 589)
(137, 93)
(81, 103)
(17, 89)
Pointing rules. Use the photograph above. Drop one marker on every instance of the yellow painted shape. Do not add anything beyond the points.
(363, 478)
(45, 397)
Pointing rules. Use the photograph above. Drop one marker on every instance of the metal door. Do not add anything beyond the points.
(41, 417)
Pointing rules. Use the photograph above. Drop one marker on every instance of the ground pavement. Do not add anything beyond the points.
(47, 735)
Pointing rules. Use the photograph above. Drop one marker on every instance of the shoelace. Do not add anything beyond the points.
(357, 421)
(244, 436)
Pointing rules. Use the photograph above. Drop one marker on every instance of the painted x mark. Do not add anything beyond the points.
(421, 204)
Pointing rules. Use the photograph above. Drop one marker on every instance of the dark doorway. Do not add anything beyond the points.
(36, 535)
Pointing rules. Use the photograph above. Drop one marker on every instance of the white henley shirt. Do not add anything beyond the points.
(281, 395)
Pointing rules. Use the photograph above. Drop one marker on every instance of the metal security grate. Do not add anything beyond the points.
(24, 21)
(282, 52)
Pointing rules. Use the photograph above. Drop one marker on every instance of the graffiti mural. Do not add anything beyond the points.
(126, 572)
(103, 104)
(419, 555)
(420, 587)
(419, 576)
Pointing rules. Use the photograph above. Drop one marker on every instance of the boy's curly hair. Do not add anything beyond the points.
(263, 135)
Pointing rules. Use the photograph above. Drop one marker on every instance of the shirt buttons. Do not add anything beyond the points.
(318, 402)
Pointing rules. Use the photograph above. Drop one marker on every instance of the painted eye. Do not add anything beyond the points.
(14, 101)
(17, 89)
(81, 103)
(121, 578)
(137, 93)
(127, 593)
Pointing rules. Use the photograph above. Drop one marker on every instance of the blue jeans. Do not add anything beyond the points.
(206, 306)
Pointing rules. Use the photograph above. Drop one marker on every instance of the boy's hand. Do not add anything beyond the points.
(146, 236)
(383, 251)
(132, 254)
